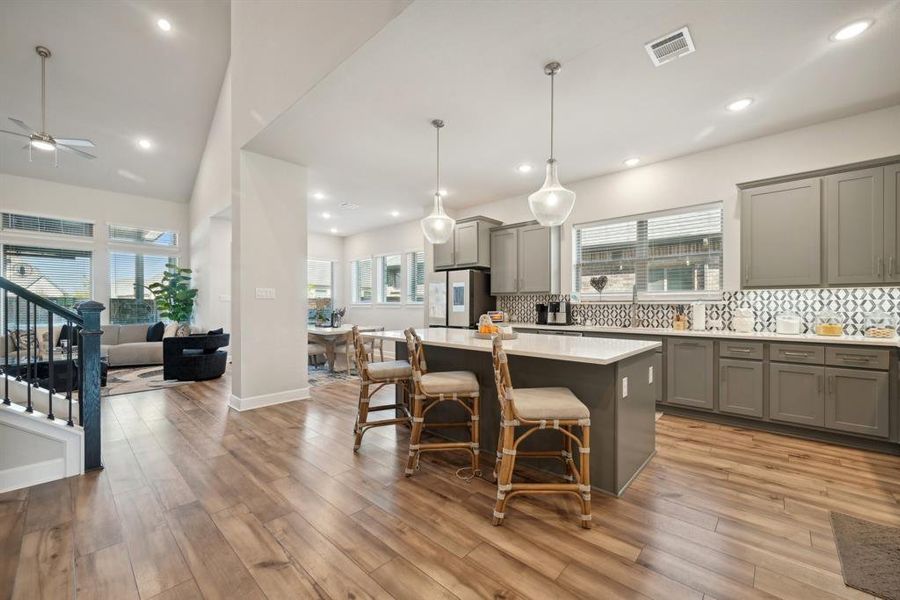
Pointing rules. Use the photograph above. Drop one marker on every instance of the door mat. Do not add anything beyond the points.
(869, 554)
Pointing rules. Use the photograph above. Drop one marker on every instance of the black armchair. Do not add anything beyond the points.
(195, 357)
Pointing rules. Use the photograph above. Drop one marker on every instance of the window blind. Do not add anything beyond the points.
(129, 275)
(138, 235)
(62, 276)
(662, 255)
(362, 281)
(390, 280)
(318, 278)
(32, 224)
(415, 277)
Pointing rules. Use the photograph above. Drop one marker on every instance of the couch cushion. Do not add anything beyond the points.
(133, 333)
(448, 382)
(155, 332)
(393, 369)
(135, 353)
(110, 335)
(550, 403)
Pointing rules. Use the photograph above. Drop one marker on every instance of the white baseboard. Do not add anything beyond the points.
(242, 404)
(34, 474)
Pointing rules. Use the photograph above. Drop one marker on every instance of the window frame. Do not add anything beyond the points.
(354, 287)
(91, 256)
(169, 258)
(61, 237)
(174, 248)
(379, 270)
(409, 258)
(643, 295)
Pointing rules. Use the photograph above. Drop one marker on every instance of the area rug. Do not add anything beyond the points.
(322, 376)
(140, 379)
(869, 554)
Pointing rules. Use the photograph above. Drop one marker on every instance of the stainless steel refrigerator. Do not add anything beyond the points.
(459, 298)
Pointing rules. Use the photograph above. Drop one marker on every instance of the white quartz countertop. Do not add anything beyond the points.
(598, 351)
(758, 336)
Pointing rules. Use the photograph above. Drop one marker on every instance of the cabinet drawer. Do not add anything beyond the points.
(854, 356)
(741, 349)
(797, 353)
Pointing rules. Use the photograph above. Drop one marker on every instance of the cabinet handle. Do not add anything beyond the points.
(854, 358)
(831, 384)
(819, 383)
(891, 267)
(739, 349)
(880, 264)
(747, 273)
(795, 354)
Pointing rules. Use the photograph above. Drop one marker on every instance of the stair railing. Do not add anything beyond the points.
(65, 368)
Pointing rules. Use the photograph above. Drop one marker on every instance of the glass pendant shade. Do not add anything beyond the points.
(552, 204)
(438, 226)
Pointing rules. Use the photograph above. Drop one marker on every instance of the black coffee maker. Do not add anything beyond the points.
(542, 311)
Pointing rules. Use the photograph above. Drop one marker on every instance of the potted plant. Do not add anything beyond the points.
(174, 295)
(321, 314)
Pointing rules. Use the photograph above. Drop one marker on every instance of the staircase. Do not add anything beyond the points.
(50, 388)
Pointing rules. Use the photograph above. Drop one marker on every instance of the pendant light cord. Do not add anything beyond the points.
(437, 174)
(552, 79)
(43, 94)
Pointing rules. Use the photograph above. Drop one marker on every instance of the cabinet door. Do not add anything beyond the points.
(781, 234)
(857, 401)
(443, 254)
(689, 373)
(504, 261)
(892, 223)
(534, 259)
(741, 387)
(796, 394)
(854, 213)
(466, 250)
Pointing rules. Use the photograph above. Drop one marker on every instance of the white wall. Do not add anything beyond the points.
(712, 176)
(47, 198)
(331, 247)
(397, 239)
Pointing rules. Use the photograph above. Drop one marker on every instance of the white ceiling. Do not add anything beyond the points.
(364, 130)
(115, 77)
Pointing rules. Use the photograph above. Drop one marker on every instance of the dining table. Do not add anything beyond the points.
(332, 337)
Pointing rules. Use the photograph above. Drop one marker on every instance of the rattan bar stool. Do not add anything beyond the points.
(535, 409)
(372, 377)
(429, 390)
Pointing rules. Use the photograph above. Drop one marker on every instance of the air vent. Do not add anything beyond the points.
(670, 46)
(348, 206)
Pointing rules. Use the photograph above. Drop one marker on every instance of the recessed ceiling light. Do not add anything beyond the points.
(442, 192)
(739, 105)
(632, 162)
(326, 215)
(524, 168)
(852, 30)
(145, 143)
(164, 24)
(333, 230)
(318, 195)
(395, 213)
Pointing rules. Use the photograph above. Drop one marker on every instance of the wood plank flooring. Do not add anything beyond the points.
(198, 501)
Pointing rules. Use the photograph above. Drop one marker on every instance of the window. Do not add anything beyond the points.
(129, 275)
(138, 235)
(415, 277)
(362, 281)
(318, 282)
(665, 256)
(63, 276)
(390, 280)
(33, 224)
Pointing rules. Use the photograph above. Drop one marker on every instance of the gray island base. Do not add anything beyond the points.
(622, 427)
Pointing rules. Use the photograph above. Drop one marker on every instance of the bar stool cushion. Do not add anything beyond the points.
(449, 382)
(535, 404)
(314, 349)
(392, 369)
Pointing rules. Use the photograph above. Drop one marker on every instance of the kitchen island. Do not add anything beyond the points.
(616, 380)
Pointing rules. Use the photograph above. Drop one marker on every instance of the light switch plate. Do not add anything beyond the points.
(624, 387)
(265, 293)
(650, 374)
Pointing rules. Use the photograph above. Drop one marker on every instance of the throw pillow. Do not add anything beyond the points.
(218, 331)
(25, 341)
(155, 332)
(64, 335)
(183, 331)
(170, 330)
(13, 338)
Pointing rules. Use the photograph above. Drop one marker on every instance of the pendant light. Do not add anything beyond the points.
(438, 226)
(552, 204)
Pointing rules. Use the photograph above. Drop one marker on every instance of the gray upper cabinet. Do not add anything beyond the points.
(857, 401)
(689, 373)
(468, 248)
(796, 394)
(741, 387)
(781, 234)
(854, 214)
(504, 261)
(525, 258)
(892, 223)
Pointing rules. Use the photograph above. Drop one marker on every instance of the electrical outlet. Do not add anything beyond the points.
(650, 374)
(265, 293)
(624, 387)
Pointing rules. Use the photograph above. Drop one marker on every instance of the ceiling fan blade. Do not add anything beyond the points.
(24, 126)
(13, 133)
(75, 150)
(80, 142)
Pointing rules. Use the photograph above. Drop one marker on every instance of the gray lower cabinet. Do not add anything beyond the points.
(854, 214)
(689, 373)
(857, 401)
(741, 387)
(781, 241)
(796, 394)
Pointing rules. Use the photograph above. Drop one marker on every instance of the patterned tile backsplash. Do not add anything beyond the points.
(852, 304)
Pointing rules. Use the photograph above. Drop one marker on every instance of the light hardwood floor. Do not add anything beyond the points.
(197, 501)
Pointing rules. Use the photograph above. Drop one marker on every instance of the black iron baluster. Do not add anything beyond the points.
(50, 381)
(69, 380)
(18, 344)
(80, 379)
(28, 344)
(6, 348)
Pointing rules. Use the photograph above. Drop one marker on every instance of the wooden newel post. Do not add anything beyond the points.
(89, 392)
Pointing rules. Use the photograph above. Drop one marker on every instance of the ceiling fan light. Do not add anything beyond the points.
(43, 145)
(552, 204)
(438, 226)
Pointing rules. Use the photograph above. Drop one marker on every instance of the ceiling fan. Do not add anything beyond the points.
(41, 140)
